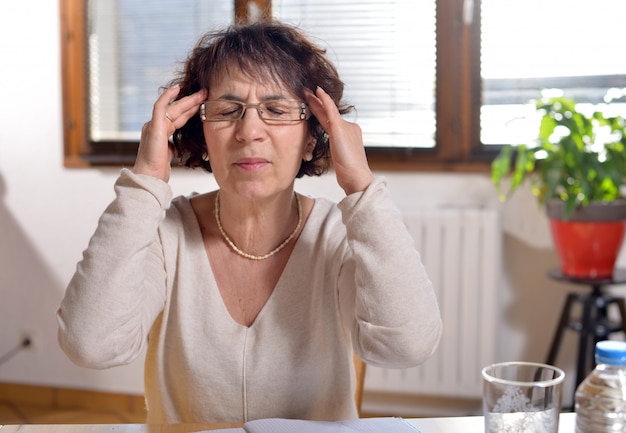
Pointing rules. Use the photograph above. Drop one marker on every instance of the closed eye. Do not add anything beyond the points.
(278, 108)
(230, 111)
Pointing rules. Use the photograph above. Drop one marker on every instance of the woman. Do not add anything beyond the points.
(251, 298)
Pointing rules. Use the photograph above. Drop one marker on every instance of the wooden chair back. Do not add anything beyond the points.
(359, 367)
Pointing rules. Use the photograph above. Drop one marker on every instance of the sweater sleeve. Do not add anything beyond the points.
(385, 293)
(118, 288)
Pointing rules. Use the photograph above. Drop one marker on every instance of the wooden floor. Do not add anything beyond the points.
(28, 414)
(28, 404)
(25, 404)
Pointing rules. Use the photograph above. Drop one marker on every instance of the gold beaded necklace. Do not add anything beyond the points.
(252, 256)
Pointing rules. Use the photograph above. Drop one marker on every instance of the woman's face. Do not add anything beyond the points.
(250, 157)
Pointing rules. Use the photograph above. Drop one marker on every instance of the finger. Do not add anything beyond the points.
(163, 101)
(323, 107)
(161, 119)
(178, 112)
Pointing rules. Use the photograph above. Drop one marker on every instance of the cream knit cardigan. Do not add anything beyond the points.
(354, 281)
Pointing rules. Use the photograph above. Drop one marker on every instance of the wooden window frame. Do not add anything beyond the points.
(458, 96)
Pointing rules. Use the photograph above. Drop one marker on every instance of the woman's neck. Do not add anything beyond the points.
(257, 230)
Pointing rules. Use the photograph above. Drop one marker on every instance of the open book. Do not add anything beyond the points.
(361, 425)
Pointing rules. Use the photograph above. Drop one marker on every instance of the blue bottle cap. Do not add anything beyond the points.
(611, 352)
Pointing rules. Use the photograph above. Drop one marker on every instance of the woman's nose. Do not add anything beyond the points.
(250, 127)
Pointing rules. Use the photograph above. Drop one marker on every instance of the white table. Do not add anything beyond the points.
(474, 424)
(468, 424)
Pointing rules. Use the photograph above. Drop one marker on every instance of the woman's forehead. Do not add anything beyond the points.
(235, 81)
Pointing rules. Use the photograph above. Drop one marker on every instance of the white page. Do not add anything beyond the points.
(225, 430)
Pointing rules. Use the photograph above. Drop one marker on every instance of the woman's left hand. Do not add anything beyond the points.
(346, 143)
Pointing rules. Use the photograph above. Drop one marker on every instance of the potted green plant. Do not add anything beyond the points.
(577, 169)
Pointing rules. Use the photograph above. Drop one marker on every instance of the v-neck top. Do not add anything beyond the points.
(353, 282)
(194, 232)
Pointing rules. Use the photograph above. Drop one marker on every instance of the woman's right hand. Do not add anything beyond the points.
(155, 150)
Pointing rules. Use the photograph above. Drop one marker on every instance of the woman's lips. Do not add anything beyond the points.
(252, 163)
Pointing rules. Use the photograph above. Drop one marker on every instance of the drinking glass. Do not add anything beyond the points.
(522, 397)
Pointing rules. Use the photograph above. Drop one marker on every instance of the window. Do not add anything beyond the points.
(389, 69)
(385, 53)
(531, 45)
(438, 84)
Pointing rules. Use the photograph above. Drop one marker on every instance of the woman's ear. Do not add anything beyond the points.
(308, 149)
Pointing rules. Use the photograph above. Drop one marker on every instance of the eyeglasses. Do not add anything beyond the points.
(275, 112)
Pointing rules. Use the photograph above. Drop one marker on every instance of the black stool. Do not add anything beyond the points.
(593, 325)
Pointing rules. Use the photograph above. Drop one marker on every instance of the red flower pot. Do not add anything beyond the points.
(589, 240)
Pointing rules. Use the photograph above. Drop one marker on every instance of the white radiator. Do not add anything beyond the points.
(461, 250)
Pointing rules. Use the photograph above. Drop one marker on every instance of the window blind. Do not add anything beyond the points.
(135, 46)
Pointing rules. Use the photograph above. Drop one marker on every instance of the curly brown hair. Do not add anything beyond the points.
(267, 50)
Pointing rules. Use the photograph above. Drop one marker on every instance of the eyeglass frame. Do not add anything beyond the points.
(305, 112)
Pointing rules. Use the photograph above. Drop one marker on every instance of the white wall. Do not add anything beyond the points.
(48, 212)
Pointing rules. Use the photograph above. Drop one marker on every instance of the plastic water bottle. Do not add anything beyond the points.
(601, 397)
